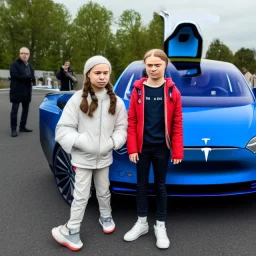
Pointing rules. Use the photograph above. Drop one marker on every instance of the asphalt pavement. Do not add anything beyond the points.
(30, 206)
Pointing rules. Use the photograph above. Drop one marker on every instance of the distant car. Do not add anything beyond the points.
(219, 134)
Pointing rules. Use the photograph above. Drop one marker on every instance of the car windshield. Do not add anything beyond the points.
(212, 82)
(217, 84)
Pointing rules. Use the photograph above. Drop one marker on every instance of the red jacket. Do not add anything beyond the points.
(173, 119)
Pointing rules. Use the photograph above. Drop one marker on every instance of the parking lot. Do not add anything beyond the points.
(31, 206)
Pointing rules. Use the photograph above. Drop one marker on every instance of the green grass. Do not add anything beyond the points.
(2, 86)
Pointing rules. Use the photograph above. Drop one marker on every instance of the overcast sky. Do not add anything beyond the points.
(236, 28)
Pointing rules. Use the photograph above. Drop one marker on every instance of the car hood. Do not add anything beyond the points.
(224, 127)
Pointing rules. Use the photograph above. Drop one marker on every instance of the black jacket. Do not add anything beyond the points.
(22, 79)
(67, 79)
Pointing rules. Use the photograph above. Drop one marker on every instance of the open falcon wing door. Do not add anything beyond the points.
(183, 41)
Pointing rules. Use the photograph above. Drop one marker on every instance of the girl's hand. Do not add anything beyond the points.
(176, 161)
(134, 157)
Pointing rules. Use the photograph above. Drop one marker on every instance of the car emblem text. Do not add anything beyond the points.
(206, 150)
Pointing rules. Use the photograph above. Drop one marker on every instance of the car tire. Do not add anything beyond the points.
(64, 174)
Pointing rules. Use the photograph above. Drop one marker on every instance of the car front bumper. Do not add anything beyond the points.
(227, 171)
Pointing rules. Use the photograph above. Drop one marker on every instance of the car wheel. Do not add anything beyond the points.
(64, 175)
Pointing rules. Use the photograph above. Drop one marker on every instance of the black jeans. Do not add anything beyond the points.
(159, 157)
(24, 115)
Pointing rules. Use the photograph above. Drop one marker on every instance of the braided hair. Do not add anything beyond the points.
(87, 89)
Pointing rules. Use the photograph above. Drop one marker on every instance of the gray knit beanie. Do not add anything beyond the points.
(95, 60)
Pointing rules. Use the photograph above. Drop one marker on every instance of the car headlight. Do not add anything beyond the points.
(252, 145)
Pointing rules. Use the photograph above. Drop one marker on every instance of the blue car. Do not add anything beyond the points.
(219, 135)
(219, 119)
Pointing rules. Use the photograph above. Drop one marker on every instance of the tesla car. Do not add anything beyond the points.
(219, 124)
(219, 134)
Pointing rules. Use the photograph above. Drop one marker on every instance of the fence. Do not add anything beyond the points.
(49, 78)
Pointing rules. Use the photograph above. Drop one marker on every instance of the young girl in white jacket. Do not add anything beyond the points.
(93, 123)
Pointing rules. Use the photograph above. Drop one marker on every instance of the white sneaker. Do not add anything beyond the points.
(67, 238)
(138, 230)
(162, 240)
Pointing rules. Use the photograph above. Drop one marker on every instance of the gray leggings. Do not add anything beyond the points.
(81, 194)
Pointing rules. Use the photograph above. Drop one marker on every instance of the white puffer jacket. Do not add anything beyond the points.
(90, 140)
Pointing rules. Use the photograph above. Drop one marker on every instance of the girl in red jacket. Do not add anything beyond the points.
(154, 128)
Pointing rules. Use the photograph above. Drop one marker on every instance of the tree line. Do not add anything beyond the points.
(48, 30)
(244, 58)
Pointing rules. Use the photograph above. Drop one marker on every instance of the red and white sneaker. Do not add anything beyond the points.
(107, 224)
(67, 237)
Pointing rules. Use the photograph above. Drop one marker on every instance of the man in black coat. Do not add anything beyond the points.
(67, 77)
(22, 79)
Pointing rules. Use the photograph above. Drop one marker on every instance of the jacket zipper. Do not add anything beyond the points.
(167, 137)
(99, 135)
(143, 97)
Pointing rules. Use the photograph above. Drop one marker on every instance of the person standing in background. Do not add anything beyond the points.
(22, 78)
(67, 78)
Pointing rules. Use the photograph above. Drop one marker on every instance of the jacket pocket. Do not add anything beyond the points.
(106, 147)
(86, 144)
(82, 158)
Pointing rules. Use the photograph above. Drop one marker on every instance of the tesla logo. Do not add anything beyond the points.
(206, 150)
